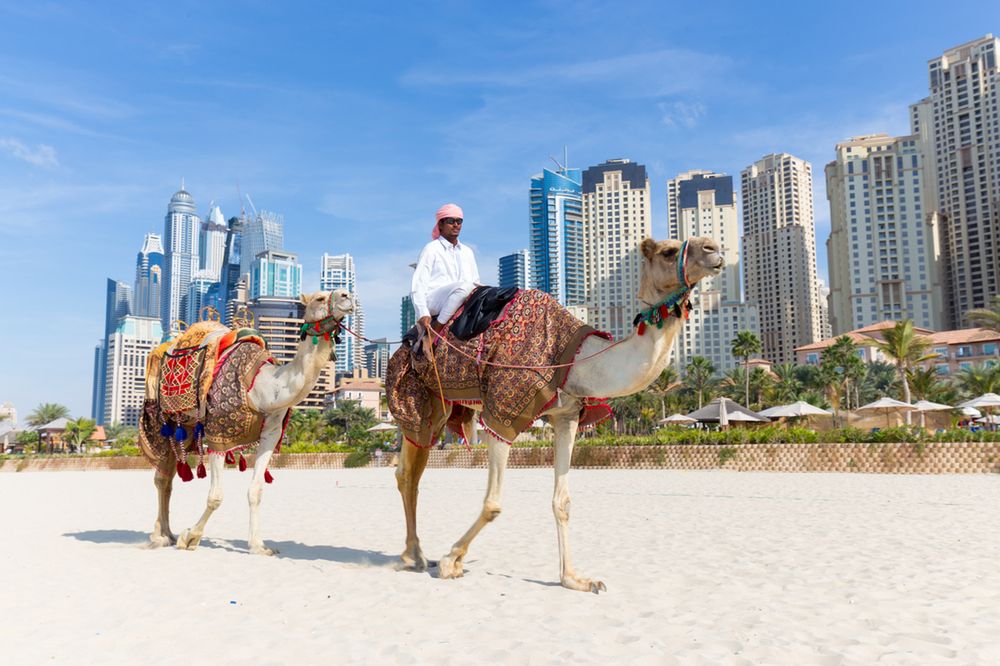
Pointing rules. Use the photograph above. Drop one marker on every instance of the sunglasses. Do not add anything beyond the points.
(451, 220)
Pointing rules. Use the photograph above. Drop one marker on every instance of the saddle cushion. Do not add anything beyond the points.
(533, 330)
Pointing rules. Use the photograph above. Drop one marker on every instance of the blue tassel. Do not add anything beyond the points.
(199, 430)
(167, 429)
(180, 434)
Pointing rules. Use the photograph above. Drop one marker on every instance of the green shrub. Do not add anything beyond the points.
(726, 453)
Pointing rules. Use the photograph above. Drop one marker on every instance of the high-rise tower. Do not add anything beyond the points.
(779, 253)
(337, 272)
(181, 235)
(212, 243)
(556, 234)
(883, 248)
(964, 126)
(149, 277)
(701, 203)
(616, 213)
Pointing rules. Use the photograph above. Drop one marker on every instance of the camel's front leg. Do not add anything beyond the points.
(269, 436)
(412, 461)
(161, 535)
(451, 564)
(565, 437)
(190, 539)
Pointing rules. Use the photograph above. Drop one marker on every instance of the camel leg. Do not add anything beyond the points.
(451, 564)
(190, 538)
(161, 535)
(565, 437)
(412, 461)
(269, 436)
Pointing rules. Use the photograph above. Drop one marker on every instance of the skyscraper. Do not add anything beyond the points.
(197, 296)
(337, 272)
(117, 305)
(964, 108)
(276, 273)
(883, 248)
(377, 358)
(779, 253)
(264, 231)
(514, 269)
(556, 235)
(129, 345)
(149, 277)
(221, 294)
(212, 243)
(407, 316)
(181, 235)
(701, 203)
(616, 212)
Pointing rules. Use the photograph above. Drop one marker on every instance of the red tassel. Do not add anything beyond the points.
(642, 327)
(184, 471)
(201, 470)
(664, 311)
(267, 476)
(243, 463)
(230, 459)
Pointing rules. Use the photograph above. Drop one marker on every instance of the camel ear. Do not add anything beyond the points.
(648, 248)
(305, 301)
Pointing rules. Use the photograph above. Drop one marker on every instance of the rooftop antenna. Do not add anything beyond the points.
(565, 163)
(182, 182)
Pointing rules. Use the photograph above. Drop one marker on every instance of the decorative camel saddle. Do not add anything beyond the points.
(196, 397)
(506, 372)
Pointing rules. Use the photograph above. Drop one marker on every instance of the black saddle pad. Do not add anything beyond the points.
(481, 307)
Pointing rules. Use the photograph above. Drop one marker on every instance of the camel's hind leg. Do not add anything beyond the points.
(189, 539)
(412, 461)
(269, 436)
(161, 535)
(565, 437)
(451, 564)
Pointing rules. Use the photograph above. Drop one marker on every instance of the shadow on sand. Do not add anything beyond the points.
(292, 550)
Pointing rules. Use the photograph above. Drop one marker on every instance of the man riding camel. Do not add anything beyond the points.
(445, 276)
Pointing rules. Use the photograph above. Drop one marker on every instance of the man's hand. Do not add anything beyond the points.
(425, 324)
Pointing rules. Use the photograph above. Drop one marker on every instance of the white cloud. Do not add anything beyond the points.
(681, 114)
(41, 156)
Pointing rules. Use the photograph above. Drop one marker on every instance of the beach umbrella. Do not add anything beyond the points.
(678, 419)
(799, 408)
(887, 406)
(723, 415)
(971, 411)
(924, 406)
(992, 419)
(381, 427)
(985, 400)
(713, 411)
(745, 418)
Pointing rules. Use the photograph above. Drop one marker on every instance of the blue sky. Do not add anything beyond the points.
(357, 124)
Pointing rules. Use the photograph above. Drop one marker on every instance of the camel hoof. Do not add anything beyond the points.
(415, 562)
(450, 567)
(188, 542)
(583, 584)
(263, 550)
(162, 540)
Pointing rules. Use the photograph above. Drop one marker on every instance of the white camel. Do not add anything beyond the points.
(275, 390)
(628, 367)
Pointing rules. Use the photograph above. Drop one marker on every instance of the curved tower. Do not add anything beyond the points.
(181, 231)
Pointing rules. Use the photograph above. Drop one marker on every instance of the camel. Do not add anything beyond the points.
(669, 269)
(275, 390)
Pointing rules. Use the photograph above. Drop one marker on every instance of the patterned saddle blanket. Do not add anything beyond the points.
(532, 330)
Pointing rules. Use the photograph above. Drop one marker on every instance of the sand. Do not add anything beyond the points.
(708, 567)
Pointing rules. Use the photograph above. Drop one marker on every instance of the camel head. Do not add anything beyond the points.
(322, 304)
(663, 272)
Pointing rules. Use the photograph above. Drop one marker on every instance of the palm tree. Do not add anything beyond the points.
(662, 385)
(977, 379)
(745, 345)
(699, 376)
(787, 387)
(880, 379)
(926, 384)
(988, 317)
(79, 431)
(906, 348)
(46, 413)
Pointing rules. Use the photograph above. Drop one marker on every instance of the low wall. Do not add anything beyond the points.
(933, 458)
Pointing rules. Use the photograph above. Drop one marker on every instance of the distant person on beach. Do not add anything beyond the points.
(446, 274)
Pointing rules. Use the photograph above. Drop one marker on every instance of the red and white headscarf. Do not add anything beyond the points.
(447, 210)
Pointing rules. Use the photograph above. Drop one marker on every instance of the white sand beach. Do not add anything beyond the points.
(701, 567)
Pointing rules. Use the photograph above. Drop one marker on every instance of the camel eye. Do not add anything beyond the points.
(669, 253)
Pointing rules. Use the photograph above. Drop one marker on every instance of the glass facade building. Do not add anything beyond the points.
(556, 235)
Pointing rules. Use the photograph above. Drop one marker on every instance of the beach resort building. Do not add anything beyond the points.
(128, 347)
